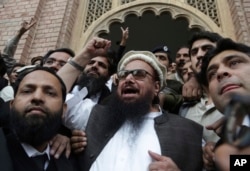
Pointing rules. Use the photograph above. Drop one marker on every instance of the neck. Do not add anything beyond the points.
(154, 108)
(41, 147)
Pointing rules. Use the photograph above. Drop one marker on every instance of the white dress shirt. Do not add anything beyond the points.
(32, 152)
(78, 108)
(128, 149)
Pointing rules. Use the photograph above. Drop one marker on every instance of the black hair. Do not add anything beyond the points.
(211, 36)
(35, 68)
(37, 58)
(111, 56)
(182, 46)
(65, 50)
(222, 45)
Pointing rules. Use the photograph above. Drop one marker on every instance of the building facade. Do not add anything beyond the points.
(71, 23)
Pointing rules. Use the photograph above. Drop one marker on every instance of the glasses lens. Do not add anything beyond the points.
(139, 74)
(122, 74)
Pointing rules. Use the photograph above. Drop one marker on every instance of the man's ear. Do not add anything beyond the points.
(64, 109)
(157, 87)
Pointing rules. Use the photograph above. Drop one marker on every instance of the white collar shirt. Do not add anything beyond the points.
(32, 152)
(79, 108)
(128, 149)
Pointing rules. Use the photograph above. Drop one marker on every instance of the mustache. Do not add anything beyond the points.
(93, 69)
(181, 64)
(36, 107)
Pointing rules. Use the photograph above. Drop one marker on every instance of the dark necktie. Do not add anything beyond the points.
(40, 161)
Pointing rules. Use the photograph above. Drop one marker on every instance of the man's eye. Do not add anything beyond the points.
(194, 52)
(62, 64)
(163, 58)
(206, 48)
(51, 93)
(49, 62)
(26, 91)
(91, 62)
(233, 63)
(211, 75)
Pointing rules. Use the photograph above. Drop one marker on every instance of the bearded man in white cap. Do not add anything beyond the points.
(131, 132)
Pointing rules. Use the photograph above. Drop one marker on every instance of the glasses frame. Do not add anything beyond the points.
(133, 73)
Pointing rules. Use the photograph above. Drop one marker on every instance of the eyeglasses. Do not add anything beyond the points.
(237, 111)
(138, 74)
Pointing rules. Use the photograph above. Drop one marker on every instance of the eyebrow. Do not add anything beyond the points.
(30, 85)
(225, 59)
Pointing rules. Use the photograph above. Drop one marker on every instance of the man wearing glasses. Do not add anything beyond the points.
(226, 74)
(131, 132)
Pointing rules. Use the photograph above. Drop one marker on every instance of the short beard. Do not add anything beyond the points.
(131, 112)
(35, 130)
(93, 84)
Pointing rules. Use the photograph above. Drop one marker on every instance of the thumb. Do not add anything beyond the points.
(210, 127)
(155, 156)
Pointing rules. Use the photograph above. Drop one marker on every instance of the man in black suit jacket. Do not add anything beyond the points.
(36, 113)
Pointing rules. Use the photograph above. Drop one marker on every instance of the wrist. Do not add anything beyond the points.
(75, 65)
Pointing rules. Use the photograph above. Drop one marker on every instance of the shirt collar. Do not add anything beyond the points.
(32, 152)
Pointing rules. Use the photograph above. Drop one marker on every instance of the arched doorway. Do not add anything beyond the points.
(151, 23)
(149, 31)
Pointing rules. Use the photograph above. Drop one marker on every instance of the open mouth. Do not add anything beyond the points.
(129, 91)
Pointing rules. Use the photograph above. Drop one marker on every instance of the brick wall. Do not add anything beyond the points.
(240, 10)
(55, 20)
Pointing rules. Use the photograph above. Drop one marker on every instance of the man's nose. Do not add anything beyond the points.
(37, 96)
(200, 53)
(222, 72)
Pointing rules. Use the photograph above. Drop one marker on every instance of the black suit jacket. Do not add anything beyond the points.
(18, 160)
(180, 138)
(5, 159)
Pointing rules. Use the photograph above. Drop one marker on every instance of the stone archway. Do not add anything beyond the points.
(177, 10)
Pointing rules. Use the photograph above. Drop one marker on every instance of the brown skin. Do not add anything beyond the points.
(35, 85)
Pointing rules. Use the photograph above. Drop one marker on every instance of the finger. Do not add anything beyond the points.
(76, 139)
(216, 124)
(32, 23)
(100, 43)
(24, 23)
(78, 133)
(156, 156)
(184, 92)
(122, 29)
(60, 150)
(54, 147)
(78, 147)
(78, 150)
(68, 150)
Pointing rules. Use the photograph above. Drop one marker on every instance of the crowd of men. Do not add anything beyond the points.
(104, 110)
